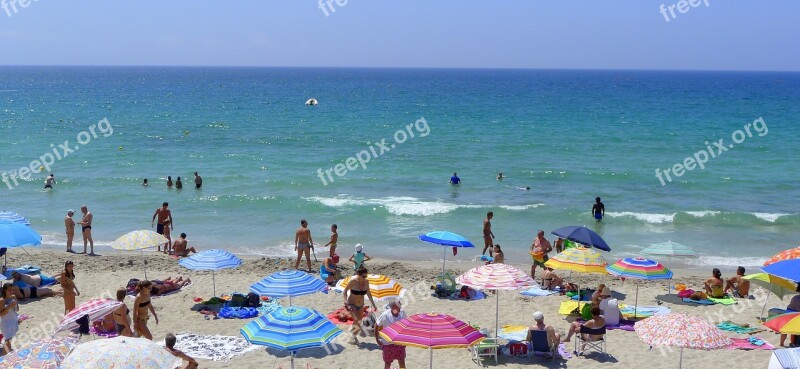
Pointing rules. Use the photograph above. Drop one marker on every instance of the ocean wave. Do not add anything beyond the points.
(704, 213)
(713, 216)
(651, 218)
(770, 217)
(405, 205)
(732, 262)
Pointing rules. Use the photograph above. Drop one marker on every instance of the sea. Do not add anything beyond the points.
(375, 155)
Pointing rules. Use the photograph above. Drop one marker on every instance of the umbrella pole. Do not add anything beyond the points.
(144, 264)
(292, 359)
(214, 281)
(497, 314)
(444, 261)
(636, 307)
(431, 351)
(680, 361)
(765, 303)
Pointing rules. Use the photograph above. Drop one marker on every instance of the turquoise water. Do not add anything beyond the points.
(570, 135)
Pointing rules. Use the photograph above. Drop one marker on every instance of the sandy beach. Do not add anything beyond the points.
(102, 275)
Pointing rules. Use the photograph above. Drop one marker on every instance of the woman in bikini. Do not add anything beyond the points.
(122, 317)
(141, 306)
(168, 285)
(714, 286)
(354, 301)
(70, 291)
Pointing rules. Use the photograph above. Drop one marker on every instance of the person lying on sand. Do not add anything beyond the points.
(35, 292)
(160, 287)
(34, 280)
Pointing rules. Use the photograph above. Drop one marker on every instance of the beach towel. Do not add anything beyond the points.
(752, 343)
(478, 295)
(727, 300)
(562, 351)
(334, 316)
(513, 332)
(643, 311)
(132, 292)
(536, 291)
(567, 307)
(94, 331)
(586, 295)
(230, 312)
(733, 327)
(217, 348)
(624, 325)
(699, 302)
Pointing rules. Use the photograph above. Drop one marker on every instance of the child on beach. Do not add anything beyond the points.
(334, 240)
(9, 321)
(359, 258)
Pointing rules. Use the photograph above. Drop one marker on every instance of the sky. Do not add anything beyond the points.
(569, 34)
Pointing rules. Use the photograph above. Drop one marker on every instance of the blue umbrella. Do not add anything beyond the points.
(14, 217)
(288, 283)
(582, 235)
(787, 269)
(444, 238)
(14, 234)
(212, 260)
(291, 329)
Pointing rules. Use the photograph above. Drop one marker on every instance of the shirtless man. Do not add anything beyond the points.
(598, 209)
(738, 286)
(69, 225)
(539, 249)
(181, 248)
(169, 342)
(334, 239)
(488, 236)
(198, 181)
(49, 182)
(163, 213)
(86, 229)
(303, 244)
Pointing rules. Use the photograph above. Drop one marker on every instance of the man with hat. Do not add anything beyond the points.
(69, 224)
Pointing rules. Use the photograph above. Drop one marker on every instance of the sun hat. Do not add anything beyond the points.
(606, 291)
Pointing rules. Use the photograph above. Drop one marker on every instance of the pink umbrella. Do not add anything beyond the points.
(95, 309)
(681, 330)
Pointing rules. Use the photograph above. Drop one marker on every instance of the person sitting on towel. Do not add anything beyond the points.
(714, 286)
(738, 285)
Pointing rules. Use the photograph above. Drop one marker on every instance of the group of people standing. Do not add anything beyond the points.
(164, 227)
(86, 229)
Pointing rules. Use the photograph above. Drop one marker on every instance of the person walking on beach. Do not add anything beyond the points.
(70, 291)
(390, 352)
(181, 247)
(303, 244)
(354, 302)
(141, 306)
(198, 181)
(539, 250)
(49, 182)
(334, 240)
(9, 320)
(163, 214)
(169, 181)
(598, 209)
(179, 184)
(86, 229)
(488, 236)
(69, 225)
(454, 180)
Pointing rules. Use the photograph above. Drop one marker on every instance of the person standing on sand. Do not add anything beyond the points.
(86, 229)
(488, 236)
(334, 240)
(198, 181)
(69, 225)
(390, 352)
(163, 214)
(122, 317)
(303, 244)
(49, 182)
(70, 291)
(539, 250)
(598, 209)
(9, 320)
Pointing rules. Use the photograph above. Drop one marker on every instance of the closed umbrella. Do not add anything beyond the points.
(784, 255)
(212, 260)
(288, 283)
(139, 241)
(431, 331)
(291, 329)
(381, 287)
(120, 353)
(47, 353)
(680, 330)
(444, 238)
(496, 277)
(583, 236)
(773, 284)
(639, 268)
(96, 309)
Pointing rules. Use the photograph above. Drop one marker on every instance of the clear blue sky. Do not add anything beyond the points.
(621, 34)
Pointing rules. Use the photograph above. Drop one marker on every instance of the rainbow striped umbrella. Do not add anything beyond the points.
(288, 283)
(669, 249)
(431, 331)
(639, 268)
(784, 255)
(291, 329)
(681, 330)
(96, 309)
(496, 277)
(380, 286)
(579, 259)
(784, 323)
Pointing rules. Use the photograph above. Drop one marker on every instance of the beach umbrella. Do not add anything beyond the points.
(120, 353)
(14, 217)
(669, 249)
(47, 353)
(583, 236)
(431, 331)
(380, 286)
(15, 234)
(291, 329)
(139, 241)
(639, 268)
(784, 255)
(787, 269)
(496, 277)
(785, 358)
(581, 260)
(681, 330)
(785, 323)
(288, 283)
(212, 260)
(773, 284)
(444, 238)
(96, 309)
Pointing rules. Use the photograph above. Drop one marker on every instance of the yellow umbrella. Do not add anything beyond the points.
(774, 284)
(579, 259)
(380, 286)
(139, 240)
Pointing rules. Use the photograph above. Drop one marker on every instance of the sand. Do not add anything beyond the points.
(102, 275)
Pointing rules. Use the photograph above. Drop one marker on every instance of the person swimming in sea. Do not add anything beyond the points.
(500, 176)
(598, 209)
(454, 180)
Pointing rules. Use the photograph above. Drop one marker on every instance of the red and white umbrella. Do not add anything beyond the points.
(496, 277)
(96, 309)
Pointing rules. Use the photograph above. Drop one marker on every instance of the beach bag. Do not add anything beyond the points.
(685, 293)
(586, 311)
(252, 300)
(238, 300)
(518, 349)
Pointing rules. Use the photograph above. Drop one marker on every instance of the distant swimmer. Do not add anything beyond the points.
(169, 181)
(454, 180)
(500, 176)
(49, 182)
(179, 183)
(520, 188)
(198, 181)
(598, 209)
(145, 182)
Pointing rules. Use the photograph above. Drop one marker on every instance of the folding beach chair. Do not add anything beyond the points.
(486, 348)
(540, 344)
(598, 344)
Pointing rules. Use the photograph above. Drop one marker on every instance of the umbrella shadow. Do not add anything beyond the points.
(675, 299)
(600, 357)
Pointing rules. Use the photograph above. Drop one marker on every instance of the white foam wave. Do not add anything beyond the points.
(59, 239)
(724, 261)
(520, 207)
(645, 217)
(769, 217)
(405, 205)
(704, 213)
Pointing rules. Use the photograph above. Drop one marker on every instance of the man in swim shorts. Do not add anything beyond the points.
(198, 181)
(49, 182)
(390, 352)
(303, 244)
(86, 229)
(539, 249)
(738, 286)
(163, 214)
(488, 236)
(598, 209)
(181, 247)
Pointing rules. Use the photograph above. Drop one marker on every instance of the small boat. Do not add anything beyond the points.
(311, 102)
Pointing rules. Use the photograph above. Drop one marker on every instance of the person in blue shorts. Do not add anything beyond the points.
(454, 180)
(598, 209)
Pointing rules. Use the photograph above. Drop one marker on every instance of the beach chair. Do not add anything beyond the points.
(489, 347)
(598, 345)
(540, 344)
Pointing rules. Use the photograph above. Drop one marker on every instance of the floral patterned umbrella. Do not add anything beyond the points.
(784, 255)
(43, 354)
(681, 330)
(120, 353)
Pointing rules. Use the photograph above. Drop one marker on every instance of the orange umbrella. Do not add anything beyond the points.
(784, 255)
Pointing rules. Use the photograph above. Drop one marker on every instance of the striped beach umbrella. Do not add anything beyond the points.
(14, 217)
(139, 241)
(288, 283)
(579, 259)
(212, 260)
(669, 249)
(639, 268)
(496, 277)
(784, 255)
(120, 353)
(380, 286)
(47, 353)
(445, 238)
(291, 329)
(784, 323)
(681, 330)
(15, 234)
(431, 331)
(96, 309)
(583, 236)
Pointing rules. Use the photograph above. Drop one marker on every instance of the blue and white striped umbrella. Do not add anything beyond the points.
(13, 234)
(289, 283)
(291, 329)
(14, 217)
(212, 260)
